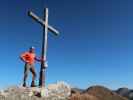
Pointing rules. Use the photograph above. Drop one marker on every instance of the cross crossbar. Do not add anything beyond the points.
(39, 20)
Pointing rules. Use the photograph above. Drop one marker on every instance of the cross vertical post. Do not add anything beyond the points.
(44, 49)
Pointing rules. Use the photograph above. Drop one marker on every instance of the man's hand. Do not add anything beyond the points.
(22, 59)
(42, 60)
(39, 59)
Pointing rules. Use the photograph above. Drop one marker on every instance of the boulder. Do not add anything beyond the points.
(60, 90)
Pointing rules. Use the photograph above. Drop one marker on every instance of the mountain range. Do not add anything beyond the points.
(101, 93)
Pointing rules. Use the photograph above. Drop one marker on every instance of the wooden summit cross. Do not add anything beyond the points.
(46, 28)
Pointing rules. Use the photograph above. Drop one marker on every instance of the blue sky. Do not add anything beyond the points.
(94, 46)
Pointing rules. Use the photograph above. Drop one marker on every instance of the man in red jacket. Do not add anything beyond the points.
(29, 58)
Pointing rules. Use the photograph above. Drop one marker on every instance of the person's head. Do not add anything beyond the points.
(32, 49)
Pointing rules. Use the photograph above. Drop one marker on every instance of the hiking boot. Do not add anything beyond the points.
(33, 84)
(24, 84)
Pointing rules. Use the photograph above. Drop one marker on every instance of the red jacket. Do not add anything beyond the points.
(28, 57)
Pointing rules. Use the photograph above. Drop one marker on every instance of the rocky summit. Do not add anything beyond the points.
(58, 91)
(63, 91)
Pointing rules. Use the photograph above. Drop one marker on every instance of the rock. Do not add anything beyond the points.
(44, 92)
(61, 89)
(4, 94)
(57, 91)
(83, 97)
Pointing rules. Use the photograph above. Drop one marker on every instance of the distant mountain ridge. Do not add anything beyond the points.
(100, 91)
(125, 92)
(96, 93)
